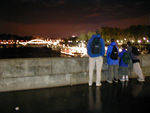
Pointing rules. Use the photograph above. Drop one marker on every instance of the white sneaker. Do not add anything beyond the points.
(98, 85)
(109, 81)
(141, 80)
(90, 83)
(122, 79)
(115, 80)
(127, 78)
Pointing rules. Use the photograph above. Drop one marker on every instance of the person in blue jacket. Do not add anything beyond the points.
(95, 58)
(113, 64)
(123, 66)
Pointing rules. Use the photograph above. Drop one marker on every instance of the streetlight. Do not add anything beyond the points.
(144, 38)
(132, 41)
(139, 41)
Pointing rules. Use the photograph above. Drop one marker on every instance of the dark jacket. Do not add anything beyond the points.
(135, 58)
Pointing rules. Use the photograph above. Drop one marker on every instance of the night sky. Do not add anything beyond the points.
(66, 17)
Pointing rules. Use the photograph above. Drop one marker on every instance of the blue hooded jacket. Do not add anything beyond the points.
(102, 46)
(109, 50)
(121, 63)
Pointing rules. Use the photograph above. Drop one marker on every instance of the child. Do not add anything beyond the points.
(113, 62)
(123, 64)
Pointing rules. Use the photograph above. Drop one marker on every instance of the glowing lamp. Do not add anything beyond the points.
(144, 38)
(139, 41)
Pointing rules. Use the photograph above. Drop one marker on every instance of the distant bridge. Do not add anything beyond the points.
(36, 41)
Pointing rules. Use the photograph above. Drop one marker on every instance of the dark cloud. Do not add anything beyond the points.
(73, 12)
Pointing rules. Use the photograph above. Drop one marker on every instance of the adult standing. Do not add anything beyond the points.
(112, 61)
(134, 55)
(96, 51)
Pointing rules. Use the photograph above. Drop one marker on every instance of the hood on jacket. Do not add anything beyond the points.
(96, 35)
(113, 43)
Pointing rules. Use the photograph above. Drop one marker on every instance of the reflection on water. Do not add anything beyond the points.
(137, 89)
(95, 103)
(124, 84)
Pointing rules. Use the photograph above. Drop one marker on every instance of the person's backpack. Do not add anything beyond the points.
(126, 58)
(96, 45)
(114, 53)
(135, 51)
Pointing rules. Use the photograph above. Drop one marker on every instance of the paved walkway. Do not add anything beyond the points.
(131, 97)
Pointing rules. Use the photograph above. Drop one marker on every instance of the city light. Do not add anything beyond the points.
(108, 41)
(70, 48)
(144, 38)
(73, 36)
(139, 41)
(132, 41)
(120, 49)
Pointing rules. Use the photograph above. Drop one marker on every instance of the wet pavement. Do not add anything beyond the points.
(131, 97)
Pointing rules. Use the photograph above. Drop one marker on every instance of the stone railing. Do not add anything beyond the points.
(32, 73)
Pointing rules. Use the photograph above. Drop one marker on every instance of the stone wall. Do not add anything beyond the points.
(32, 73)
